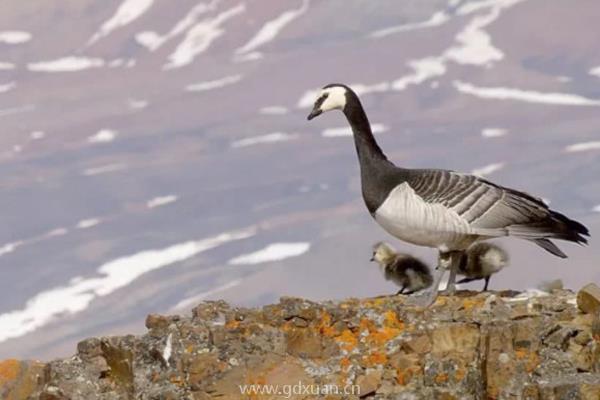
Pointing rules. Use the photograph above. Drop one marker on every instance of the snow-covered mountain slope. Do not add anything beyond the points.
(157, 153)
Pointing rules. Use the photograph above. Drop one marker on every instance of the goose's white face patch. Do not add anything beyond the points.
(335, 98)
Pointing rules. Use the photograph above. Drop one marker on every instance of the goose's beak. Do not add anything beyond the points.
(314, 113)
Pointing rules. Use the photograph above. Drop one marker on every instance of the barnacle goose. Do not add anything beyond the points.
(406, 271)
(442, 209)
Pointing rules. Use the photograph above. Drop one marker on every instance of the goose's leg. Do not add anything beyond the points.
(487, 282)
(451, 287)
(427, 297)
(454, 261)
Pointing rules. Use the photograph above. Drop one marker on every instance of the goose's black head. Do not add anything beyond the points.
(332, 97)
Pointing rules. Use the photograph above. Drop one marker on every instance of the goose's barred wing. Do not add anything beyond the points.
(493, 210)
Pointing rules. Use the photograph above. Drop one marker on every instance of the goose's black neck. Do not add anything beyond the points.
(366, 145)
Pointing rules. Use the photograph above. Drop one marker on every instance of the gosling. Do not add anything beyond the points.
(406, 271)
(481, 261)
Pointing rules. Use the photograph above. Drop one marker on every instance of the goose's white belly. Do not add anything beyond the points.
(406, 216)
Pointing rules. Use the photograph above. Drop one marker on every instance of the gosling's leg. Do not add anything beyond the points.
(487, 282)
(467, 280)
(401, 291)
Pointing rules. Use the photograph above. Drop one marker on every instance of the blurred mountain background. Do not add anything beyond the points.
(155, 154)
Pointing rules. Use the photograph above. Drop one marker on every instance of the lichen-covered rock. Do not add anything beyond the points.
(470, 346)
(588, 299)
(19, 379)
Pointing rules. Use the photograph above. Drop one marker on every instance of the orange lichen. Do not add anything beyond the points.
(441, 378)
(403, 376)
(383, 335)
(287, 326)
(376, 358)
(529, 358)
(470, 303)
(521, 353)
(391, 320)
(460, 374)
(176, 380)
(440, 301)
(366, 325)
(347, 340)
(9, 370)
(232, 324)
(324, 326)
(345, 363)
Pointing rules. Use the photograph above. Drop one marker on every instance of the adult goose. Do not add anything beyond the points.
(442, 209)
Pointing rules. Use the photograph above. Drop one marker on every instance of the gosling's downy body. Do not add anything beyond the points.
(406, 271)
(481, 261)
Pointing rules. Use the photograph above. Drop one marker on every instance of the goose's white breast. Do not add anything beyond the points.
(408, 217)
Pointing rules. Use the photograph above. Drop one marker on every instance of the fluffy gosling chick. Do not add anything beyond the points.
(406, 271)
(481, 261)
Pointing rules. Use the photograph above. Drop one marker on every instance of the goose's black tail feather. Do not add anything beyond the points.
(562, 227)
(568, 229)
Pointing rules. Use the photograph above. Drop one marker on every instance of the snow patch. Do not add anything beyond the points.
(161, 201)
(528, 96)
(253, 56)
(526, 295)
(57, 232)
(4, 66)
(268, 138)
(424, 69)
(128, 11)
(166, 355)
(199, 38)
(583, 146)
(10, 247)
(103, 136)
(17, 110)
(152, 40)
(215, 84)
(493, 132)
(347, 131)
(136, 104)
(273, 252)
(66, 64)
(104, 169)
(273, 110)
(271, 29)
(488, 169)
(87, 223)
(37, 135)
(473, 47)
(595, 71)
(596, 209)
(6, 87)
(14, 37)
(76, 296)
(436, 19)
(564, 79)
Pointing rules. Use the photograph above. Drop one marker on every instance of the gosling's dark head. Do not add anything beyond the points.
(332, 97)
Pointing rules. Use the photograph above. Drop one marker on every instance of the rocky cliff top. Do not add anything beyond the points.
(496, 345)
